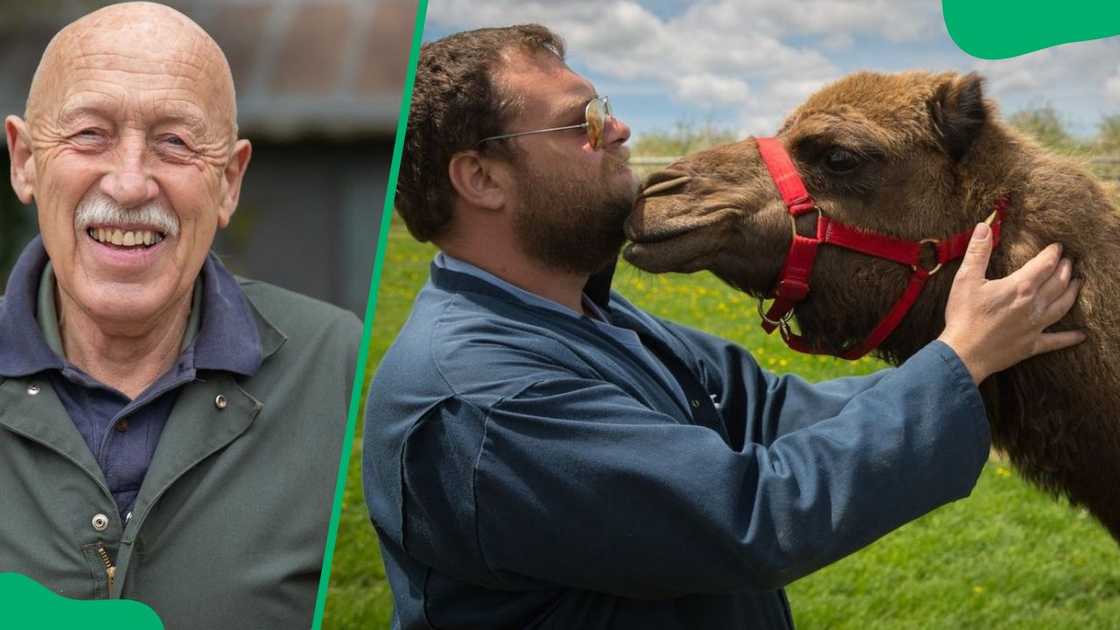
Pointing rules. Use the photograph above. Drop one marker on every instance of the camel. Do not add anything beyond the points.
(915, 156)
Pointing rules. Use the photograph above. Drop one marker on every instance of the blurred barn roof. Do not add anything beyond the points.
(330, 69)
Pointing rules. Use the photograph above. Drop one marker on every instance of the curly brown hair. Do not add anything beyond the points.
(456, 103)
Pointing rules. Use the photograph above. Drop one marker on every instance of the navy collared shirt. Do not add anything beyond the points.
(122, 433)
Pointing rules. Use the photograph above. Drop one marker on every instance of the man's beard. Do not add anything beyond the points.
(570, 223)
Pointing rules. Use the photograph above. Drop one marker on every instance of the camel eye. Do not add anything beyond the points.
(841, 160)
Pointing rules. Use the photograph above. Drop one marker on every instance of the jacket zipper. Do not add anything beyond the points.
(110, 570)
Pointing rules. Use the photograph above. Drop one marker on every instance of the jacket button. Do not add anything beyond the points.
(100, 522)
(121, 426)
(695, 404)
(220, 401)
(33, 390)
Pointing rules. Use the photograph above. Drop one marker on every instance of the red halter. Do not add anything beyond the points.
(793, 282)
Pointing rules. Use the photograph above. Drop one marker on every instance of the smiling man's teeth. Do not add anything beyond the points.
(125, 238)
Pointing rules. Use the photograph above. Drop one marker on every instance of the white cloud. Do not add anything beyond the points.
(837, 41)
(1081, 81)
(759, 125)
(893, 20)
(709, 89)
(714, 54)
(1084, 63)
(1112, 87)
(763, 57)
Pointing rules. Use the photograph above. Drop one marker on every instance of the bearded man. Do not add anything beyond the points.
(540, 453)
(168, 433)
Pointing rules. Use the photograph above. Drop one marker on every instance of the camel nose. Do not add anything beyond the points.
(665, 179)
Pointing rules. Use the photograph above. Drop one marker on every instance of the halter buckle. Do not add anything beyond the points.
(793, 219)
(782, 321)
(928, 241)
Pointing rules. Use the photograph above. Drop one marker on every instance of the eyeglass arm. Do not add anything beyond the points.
(582, 125)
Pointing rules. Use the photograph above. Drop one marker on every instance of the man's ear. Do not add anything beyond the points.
(480, 181)
(958, 112)
(19, 154)
(231, 180)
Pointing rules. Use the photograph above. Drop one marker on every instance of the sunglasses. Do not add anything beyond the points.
(595, 117)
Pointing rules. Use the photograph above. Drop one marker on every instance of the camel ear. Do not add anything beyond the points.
(958, 113)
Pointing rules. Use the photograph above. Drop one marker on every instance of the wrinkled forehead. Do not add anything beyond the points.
(143, 43)
(116, 59)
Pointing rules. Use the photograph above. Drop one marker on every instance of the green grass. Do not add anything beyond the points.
(1007, 557)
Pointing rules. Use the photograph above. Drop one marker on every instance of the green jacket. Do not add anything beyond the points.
(230, 523)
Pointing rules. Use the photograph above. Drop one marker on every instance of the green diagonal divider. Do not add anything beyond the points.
(371, 310)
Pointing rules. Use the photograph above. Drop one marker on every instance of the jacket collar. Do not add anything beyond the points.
(598, 287)
(230, 337)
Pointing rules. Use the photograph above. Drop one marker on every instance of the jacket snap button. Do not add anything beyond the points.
(100, 522)
(220, 401)
(695, 404)
(33, 390)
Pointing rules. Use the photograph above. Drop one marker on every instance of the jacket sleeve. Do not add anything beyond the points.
(759, 404)
(576, 483)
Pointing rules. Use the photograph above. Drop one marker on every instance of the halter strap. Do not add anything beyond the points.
(792, 286)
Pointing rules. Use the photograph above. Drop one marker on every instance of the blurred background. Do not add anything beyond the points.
(318, 89)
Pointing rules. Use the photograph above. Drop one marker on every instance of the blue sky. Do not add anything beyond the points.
(743, 64)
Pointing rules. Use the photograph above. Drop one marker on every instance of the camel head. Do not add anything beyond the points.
(893, 154)
(916, 156)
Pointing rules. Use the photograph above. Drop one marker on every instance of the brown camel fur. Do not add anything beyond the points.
(918, 155)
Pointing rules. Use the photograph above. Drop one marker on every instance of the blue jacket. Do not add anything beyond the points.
(523, 470)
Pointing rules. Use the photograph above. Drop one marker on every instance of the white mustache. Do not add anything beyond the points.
(100, 210)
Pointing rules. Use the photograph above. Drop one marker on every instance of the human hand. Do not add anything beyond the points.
(994, 324)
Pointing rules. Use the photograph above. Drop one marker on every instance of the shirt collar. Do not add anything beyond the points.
(228, 338)
(23, 351)
(450, 263)
(596, 293)
(47, 313)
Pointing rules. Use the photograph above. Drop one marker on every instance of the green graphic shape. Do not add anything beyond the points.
(371, 311)
(28, 605)
(998, 29)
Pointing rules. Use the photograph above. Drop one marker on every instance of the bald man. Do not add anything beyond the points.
(168, 432)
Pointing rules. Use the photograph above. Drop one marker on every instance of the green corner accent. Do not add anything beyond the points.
(371, 310)
(998, 29)
(30, 605)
